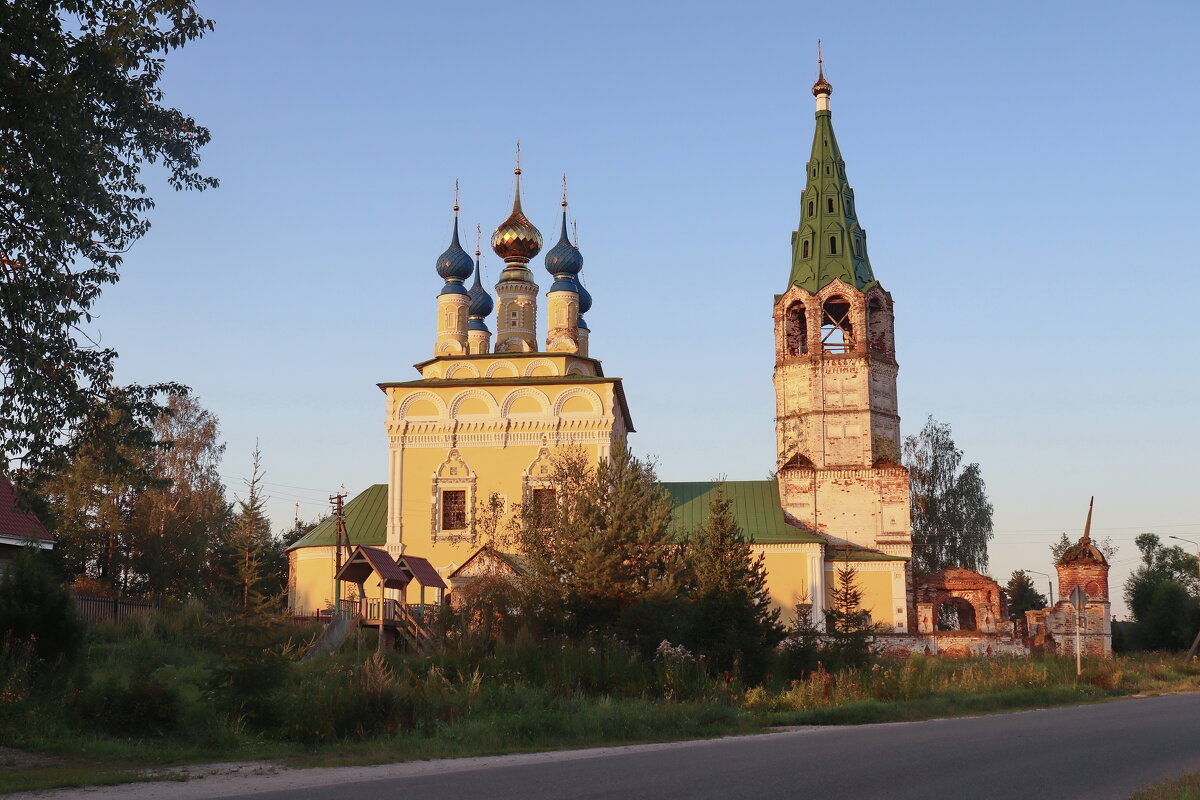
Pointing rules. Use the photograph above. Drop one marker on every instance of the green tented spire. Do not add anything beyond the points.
(829, 243)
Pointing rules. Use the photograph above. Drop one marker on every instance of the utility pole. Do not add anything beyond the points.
(1049, 585)
(1195, 642)
(340, 538)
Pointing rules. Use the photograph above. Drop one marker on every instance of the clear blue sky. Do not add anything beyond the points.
(1026, 173)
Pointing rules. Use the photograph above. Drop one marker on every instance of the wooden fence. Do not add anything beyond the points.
(105, 609)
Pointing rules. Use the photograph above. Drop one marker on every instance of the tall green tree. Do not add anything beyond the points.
(1162, 593)
(90, 499)
(173, 522)
(250, 586)
(847, 624)
(951, 514)
(601, 543)
(1161, 562)
(731, 619)
(81, 116)
(1022, 595)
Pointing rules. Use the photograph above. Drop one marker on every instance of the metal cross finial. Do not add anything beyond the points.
(518, 169)
(456, 197)
(820, 61)
(478, 234)
(564, 200)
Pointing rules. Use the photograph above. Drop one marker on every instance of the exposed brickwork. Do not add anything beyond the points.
(837, 427)
(1053, 629)
(983, 594)
(956, 644)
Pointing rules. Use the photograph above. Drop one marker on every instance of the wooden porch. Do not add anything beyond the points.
(396, 620)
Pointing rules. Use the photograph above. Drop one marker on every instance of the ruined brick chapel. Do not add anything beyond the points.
(483, 422)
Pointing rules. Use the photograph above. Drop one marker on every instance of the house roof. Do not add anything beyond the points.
(366, 521)
(423, 571)
(756, 509)
(17, 524)
(365, 560)
(513, 561)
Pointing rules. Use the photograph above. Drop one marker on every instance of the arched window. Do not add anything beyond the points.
(810, 208)
(829, 204)
(804, 249)
(837, 330)
(878, 329)
(833, 245)
(795, 331)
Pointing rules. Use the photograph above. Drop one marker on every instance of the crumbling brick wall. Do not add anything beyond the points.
(1053, 629)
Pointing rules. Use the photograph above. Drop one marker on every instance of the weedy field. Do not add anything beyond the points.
(177, 688)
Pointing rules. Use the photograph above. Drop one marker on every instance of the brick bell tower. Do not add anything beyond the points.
(836, 421)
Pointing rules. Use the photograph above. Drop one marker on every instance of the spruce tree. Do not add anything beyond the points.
(846, 622)
(603, 544)
(731, 619)
(1022, 595)
(252, 662)
(249, 544)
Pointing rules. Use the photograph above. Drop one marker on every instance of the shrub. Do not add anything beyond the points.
(36, 609)
(143, 704)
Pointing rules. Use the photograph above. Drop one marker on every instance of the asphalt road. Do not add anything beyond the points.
(1099, 751)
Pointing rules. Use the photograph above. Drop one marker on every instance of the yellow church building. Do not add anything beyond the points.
(484, 421)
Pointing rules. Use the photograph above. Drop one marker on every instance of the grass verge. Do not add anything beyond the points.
(1185, 788)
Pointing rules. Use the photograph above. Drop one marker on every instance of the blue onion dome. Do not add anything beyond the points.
(585, 300)
(455, 263)
(563, 259)
(481, 301)
(517, 240)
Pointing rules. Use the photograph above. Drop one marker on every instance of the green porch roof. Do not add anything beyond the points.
(756, 508)
(366, 521)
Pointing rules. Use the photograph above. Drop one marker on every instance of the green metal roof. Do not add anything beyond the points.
(837, 553)
(756, 509)
(833, 216)
(366, 521)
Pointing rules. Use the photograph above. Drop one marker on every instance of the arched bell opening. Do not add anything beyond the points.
(837, 328)
(795, 330)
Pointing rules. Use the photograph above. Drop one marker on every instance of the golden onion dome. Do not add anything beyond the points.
(517, 240)
(822, 86)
